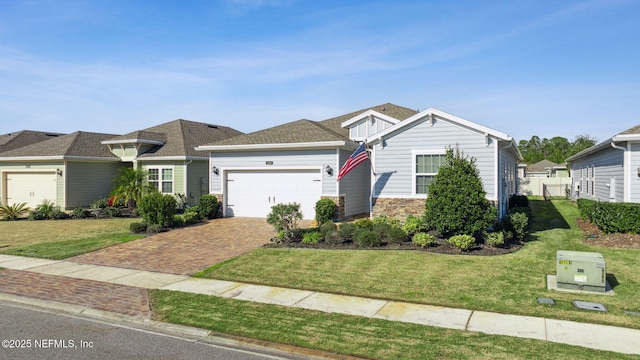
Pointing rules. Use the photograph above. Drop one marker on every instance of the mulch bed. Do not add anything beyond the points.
(441, 247)
(594, 236)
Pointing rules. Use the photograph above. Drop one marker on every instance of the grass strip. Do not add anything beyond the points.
(69, 248)
(351, 335)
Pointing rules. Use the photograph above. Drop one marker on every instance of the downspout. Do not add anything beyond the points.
(626, 176)
(186, 178)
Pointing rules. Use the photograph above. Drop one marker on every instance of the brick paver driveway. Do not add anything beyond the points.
(187, 250)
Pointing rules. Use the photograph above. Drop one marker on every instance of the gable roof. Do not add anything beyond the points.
(303, 133)
(77, 145)
(430, 112)
(177, 138)
(23, 138)
(632, 134)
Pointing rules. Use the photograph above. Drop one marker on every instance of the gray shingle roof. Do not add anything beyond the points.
(23, 138)
(79, 143)
(541, 166)
(180, 137)
(306, 131)
(633, 130)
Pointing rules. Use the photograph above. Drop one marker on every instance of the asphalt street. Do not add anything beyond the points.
(32, 333)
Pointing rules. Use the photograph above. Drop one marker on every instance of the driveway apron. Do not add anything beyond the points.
(187, 250)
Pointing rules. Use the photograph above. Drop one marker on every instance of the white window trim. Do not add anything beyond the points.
(160, 168)
(414, 153)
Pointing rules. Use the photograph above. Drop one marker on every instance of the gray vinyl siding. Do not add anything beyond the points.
(356, 186)
(197, 180)
(88, 181)
(607, 164)
(179, 169)
(634, 169)
(279, 159)
(394, 161)
(367, 127)
(508, 172)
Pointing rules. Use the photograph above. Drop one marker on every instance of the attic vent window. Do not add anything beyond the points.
(212, 126)
(52, 135)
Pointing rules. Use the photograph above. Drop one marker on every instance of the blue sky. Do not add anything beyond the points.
(546, 68)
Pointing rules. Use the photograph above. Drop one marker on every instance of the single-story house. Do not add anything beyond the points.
(23, 138)
(546, 169)
(75, 169)
(299, 162)
(610, 170)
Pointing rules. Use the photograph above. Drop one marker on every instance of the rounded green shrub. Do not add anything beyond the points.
(396, 235)
(191, 218)
(285, 217)
(208, 206)
(154, 229)
(413, 225)
(325, 210)
(423, 239)
(157, 209)
(178, 221)
(464, 242)
(366, 238)
(519, 225)
(333, 237)
(346, 230)
(79, 213)
(138, 227)
(364, 224)
(327, 227)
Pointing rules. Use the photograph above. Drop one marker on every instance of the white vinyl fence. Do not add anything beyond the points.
(535, 186)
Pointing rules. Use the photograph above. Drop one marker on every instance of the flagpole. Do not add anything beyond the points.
(372, 185)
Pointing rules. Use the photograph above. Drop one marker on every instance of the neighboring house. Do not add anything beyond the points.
(75, 169)
(299, 162)
(545, 178)
(167, 152)
(23, 138)
(547, 169)
(609, 171)
(70, 170)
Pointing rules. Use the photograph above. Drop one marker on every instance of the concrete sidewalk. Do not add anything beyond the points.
(602, 337)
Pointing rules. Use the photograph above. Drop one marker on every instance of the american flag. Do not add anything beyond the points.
(358, 157)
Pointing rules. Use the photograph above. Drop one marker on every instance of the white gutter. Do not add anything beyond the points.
(132, 141)
(626, 169)
(57, 157)
(307, 145)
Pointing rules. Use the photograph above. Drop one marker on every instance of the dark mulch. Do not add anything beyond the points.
(441, 247)
(594, 236)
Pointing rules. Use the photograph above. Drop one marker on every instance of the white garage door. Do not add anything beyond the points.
(253, 193)
(30, 188)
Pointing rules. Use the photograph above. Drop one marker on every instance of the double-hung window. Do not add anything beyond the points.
(426, 166)
(161, 179)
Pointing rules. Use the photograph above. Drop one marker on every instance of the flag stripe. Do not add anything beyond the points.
(358, 157)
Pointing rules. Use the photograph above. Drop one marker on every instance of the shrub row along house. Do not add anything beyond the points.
(294, 162)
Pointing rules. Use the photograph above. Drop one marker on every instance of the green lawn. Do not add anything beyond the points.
(506, 284)
(60, 239)
(352, 335)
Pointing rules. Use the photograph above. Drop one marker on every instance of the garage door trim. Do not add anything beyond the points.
(5, 173)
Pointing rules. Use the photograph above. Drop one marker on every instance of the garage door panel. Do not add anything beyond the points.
(253, 193)
(30, 188)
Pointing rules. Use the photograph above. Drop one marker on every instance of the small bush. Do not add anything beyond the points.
(612, 217)
(346, 230)
(181, 201)
(112, 211)
(333, 237)
(80, 213)
(191, 218)
(312, 237)
(12, 212)
(154, 228)
(519, 225)
(36, 215)
(327, 227)
(364, 224)
(396, 235)
(366, 238)
(178, 221)
(208, 206)
(423, 239)
(138, 227)
(192, 209)
(325, 210)
(100, 203)
(384, 220)
(285, 217)
(524, 210)
(463, 242)
(47, 210)
(413, 225)
(157, 209)
(494, 239)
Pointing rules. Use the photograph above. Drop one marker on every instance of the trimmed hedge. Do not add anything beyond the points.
(611, 217)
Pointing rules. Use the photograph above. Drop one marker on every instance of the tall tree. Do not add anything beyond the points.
(556, 149)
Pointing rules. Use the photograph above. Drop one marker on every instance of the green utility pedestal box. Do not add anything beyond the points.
(581, 270)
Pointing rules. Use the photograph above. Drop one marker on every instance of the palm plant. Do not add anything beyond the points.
(12, 212)
(130, 185)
